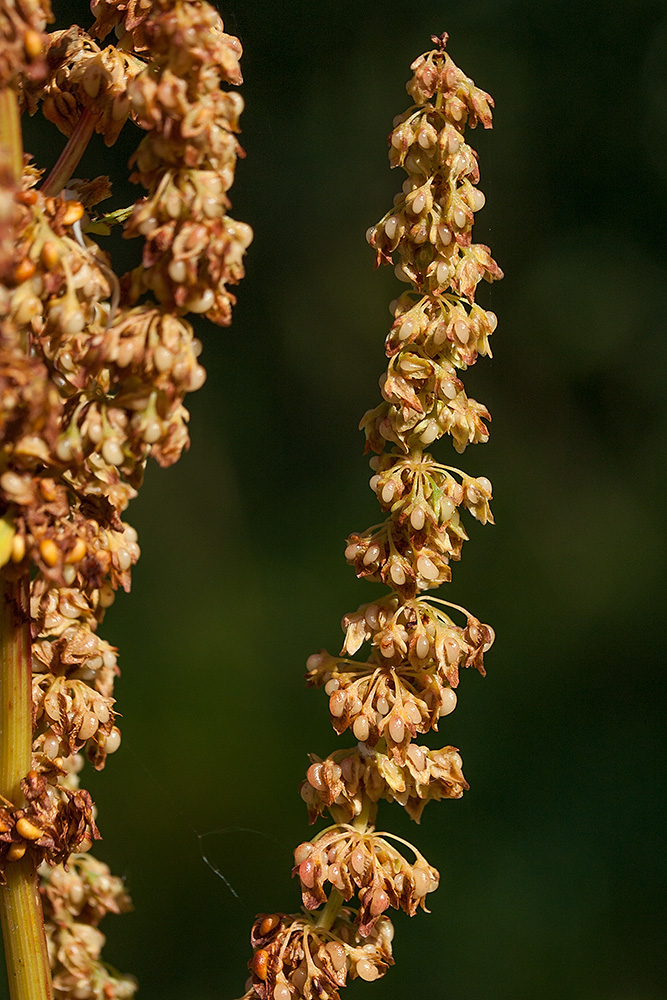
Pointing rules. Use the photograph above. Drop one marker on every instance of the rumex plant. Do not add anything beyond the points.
(417, 643)
(94, 368)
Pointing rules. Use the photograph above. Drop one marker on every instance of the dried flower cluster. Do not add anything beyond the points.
(94, 369)
(407, 681)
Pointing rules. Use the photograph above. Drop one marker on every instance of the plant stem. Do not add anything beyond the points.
(11, 144)
(330, 911)
(68, 160)
(21, 916)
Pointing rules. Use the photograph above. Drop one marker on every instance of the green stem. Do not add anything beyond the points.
(362, 822)
(21, 915)
(68, 160)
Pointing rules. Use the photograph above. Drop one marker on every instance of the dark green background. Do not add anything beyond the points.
(553, 865)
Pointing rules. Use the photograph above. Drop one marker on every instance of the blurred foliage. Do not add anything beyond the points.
(553, 865)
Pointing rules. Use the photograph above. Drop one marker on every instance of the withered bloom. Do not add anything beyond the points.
(415, 645)
(94, 370)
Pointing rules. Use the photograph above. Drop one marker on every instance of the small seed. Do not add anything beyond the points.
(447, 702)
(427, 568)
(396, 729)
(77, 552)
(418, 518)
(421, 882)
(337, 704)
(358, 861)
(302, 852)
(371, 554)
(73, 213)
(422, 647)
(366, 970)
(360, 729)
(18, 548)
(88, 726)
(49, 552)
(314, 775)
(23, 271)
(112, 741)
(337, 953)
(16, 851)
(260, 964)
(28, 830)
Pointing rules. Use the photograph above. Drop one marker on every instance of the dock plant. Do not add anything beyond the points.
(412, 645)
(94, 369)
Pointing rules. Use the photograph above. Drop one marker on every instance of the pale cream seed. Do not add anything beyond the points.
(422, 647)
(331, 686)
(484, 484)
(370, 233)
(442, 273)
(387, 649)
(177, 271)
(112, 741)
(477, 200)
(420, 881)
(337, 704)
(406, 329)
(202, 303)
(371, 615)
(445, 235)
(358, 860)
(163, 358)
(454, 142)
(417, 518)
(396, 729)
(430, 433)
(338, 957)
(282, 992)
(492, 320)
(112, 452)
(418, 203)
(102, 713)
(460, 218)
(382, 705)
(51, 745)
(462, 331)
(412, 713)
(397, 574)
(390, 227)
(447, 508)
(452, 650)
(448, 702)
(351, 552)
(361, 729)
(307, 873)
(417, 756)
(427, 568)
(69, 575)
(314, 661)
(152, 432)
(388, 492)
(371, 555)
(88, 725)
(366, 970)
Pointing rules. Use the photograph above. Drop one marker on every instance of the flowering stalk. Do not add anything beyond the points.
(94, 369)
(407, 682)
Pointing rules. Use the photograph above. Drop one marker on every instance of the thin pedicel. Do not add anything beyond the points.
(406, 684)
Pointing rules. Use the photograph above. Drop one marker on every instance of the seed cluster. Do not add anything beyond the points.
(94, 369)
(407, 681)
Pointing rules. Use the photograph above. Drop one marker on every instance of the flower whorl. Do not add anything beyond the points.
(407, 682)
